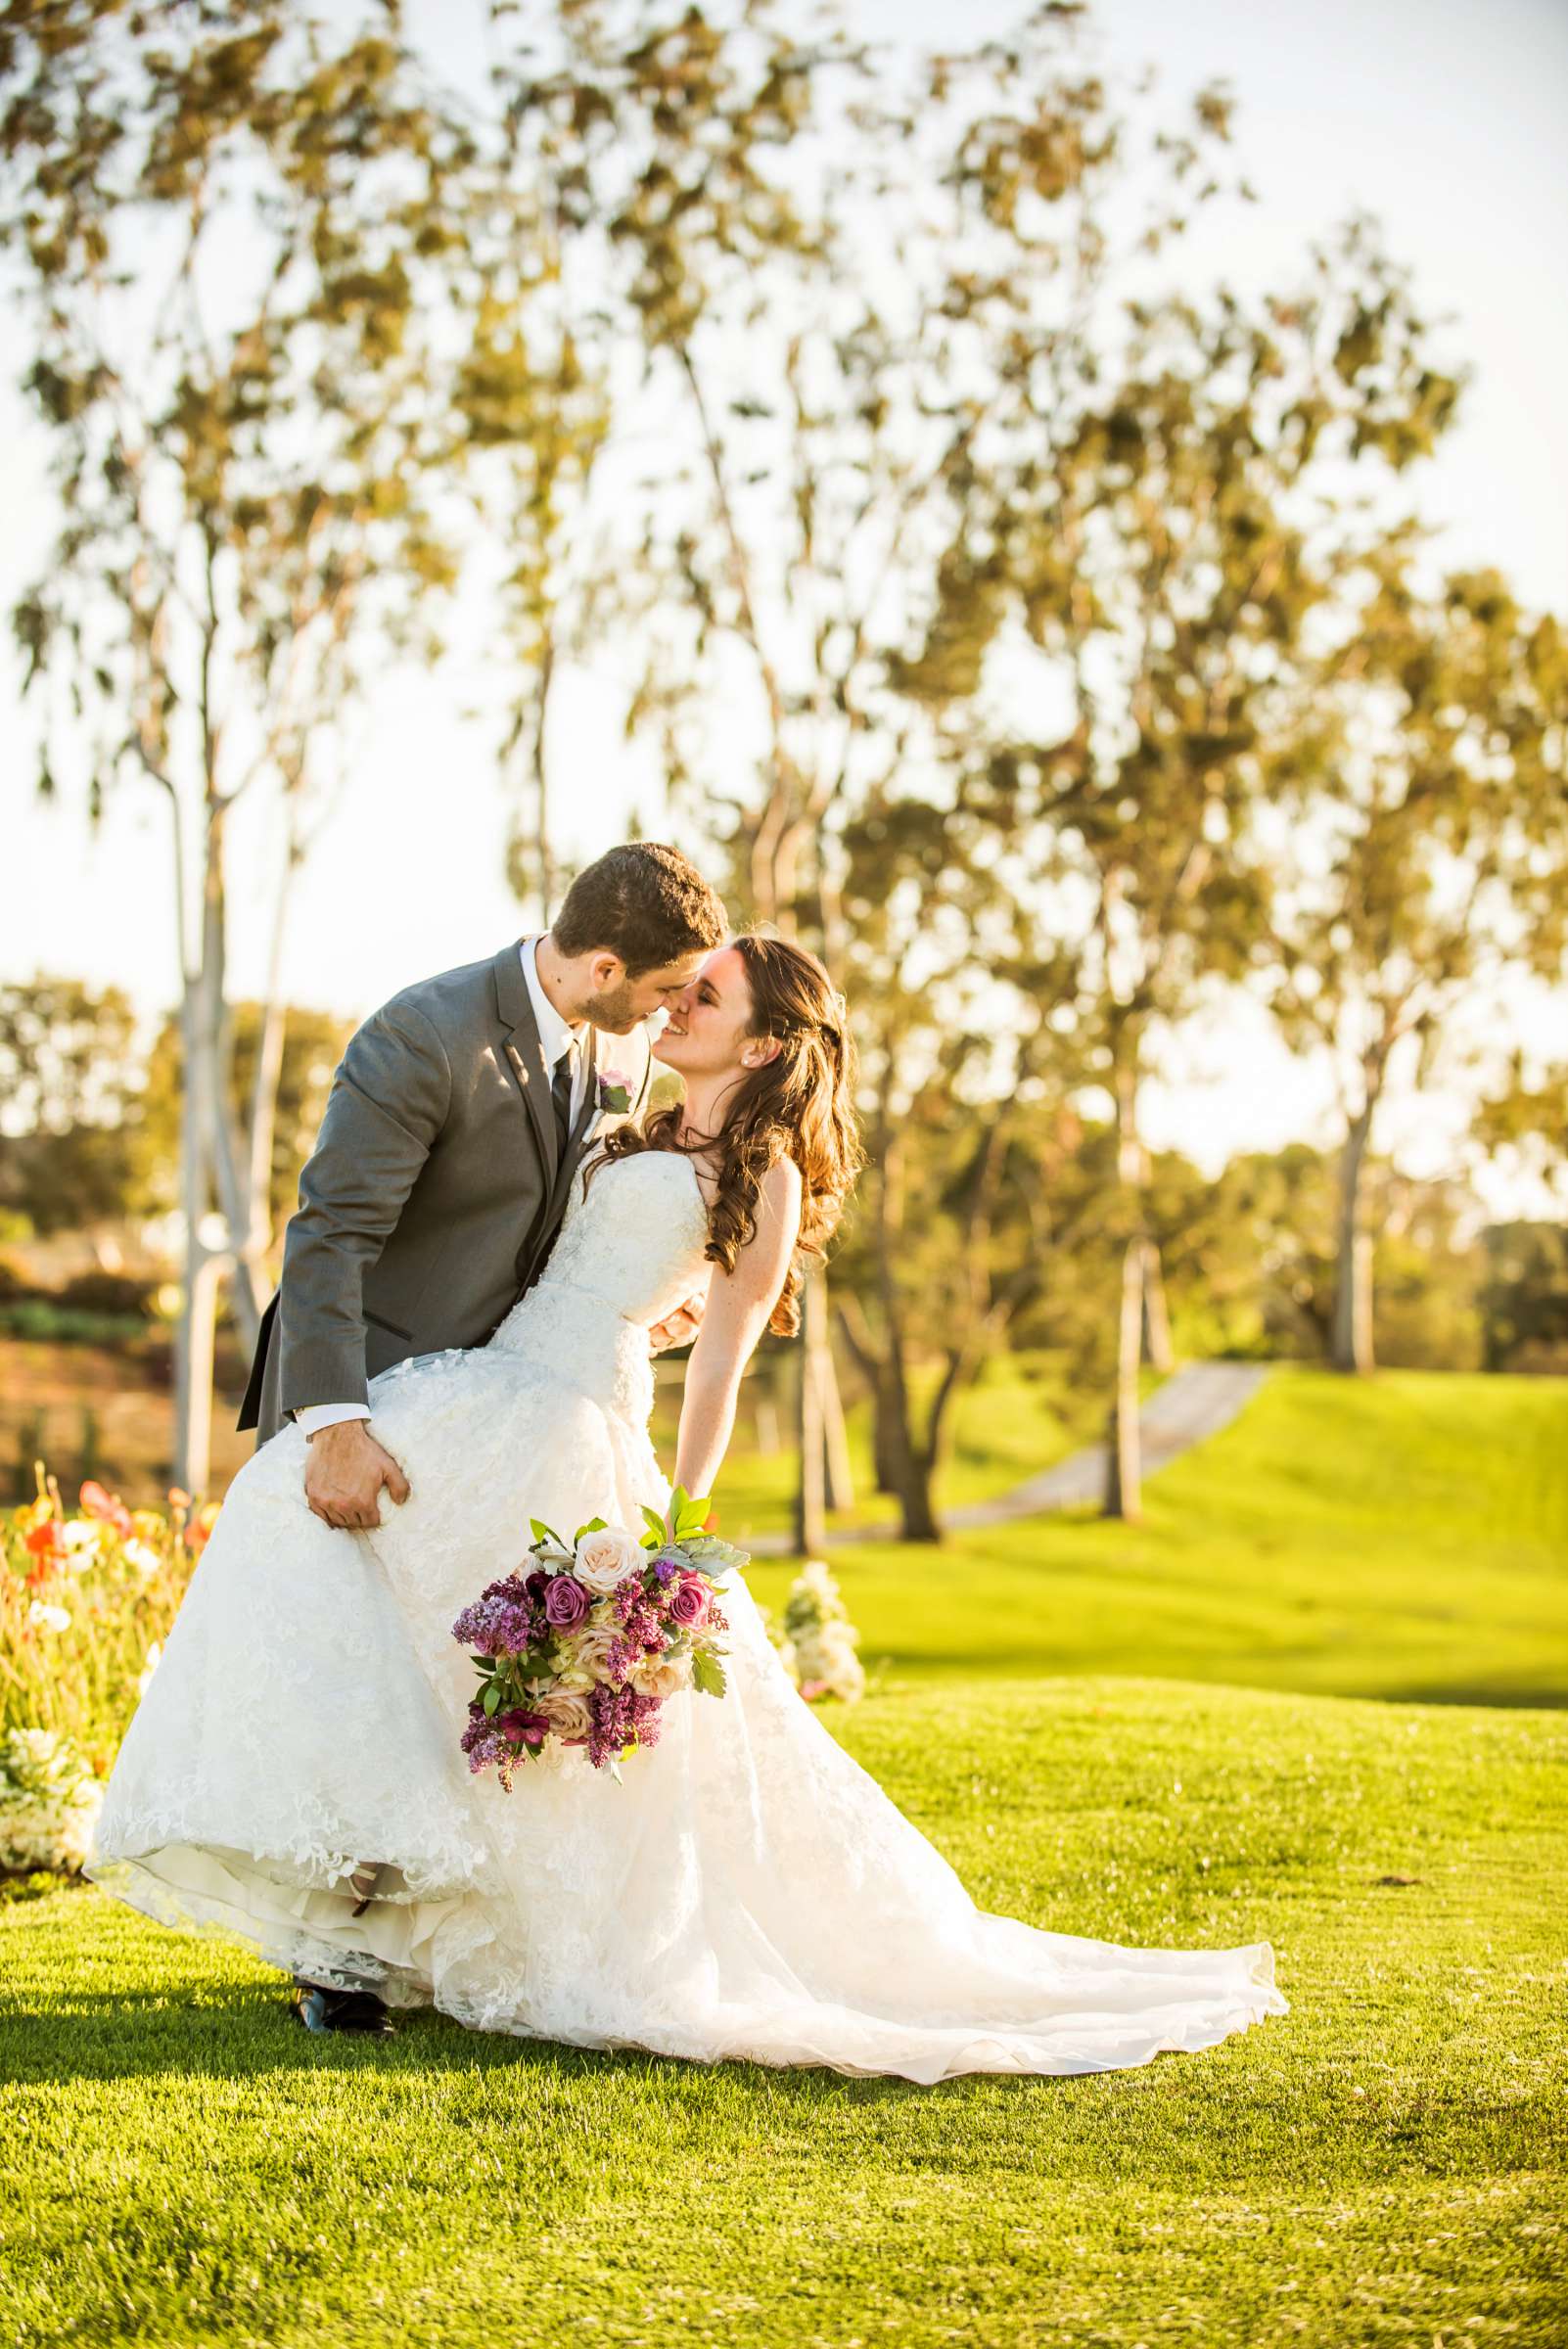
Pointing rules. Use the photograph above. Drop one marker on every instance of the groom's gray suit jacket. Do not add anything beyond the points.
(435, 1191)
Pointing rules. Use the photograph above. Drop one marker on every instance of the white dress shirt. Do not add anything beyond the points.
(556, 1036)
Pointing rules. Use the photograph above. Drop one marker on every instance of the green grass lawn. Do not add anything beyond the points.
(1404, 1537)
(181, 2164)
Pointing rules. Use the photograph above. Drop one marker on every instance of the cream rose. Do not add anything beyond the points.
(590, 1652)
(607, 1557)
(567, 1712)
(661, 1678)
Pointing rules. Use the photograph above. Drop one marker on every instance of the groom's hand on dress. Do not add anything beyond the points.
(345, 1469)
(677, 1328)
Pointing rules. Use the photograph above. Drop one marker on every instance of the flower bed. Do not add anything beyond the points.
(86, 1600)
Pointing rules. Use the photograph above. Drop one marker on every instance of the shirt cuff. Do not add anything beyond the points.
(316, 1415)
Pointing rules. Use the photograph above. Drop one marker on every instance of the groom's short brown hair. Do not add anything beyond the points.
(644, 902)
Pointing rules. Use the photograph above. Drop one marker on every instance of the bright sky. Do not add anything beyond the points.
(1443, 117)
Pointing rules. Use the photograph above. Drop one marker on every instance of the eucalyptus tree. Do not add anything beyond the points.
(536, 405)
(1440, 722)
(957, 1064)
(1156, 524)
(230, 231)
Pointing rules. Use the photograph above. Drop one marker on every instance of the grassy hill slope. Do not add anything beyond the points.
(180, 2163)
(1402, 1537)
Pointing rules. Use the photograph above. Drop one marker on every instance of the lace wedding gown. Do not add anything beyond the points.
(748, 1891)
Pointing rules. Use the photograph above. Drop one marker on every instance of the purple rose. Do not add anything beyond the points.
(689, 1602)
(566, 1602)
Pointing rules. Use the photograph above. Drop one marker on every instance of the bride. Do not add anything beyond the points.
(293, 1774)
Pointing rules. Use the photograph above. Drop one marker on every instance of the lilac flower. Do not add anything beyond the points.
(482, 1741)
(620, 1717)
(500, 1622)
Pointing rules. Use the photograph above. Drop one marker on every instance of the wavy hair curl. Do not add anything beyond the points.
(797, 1105)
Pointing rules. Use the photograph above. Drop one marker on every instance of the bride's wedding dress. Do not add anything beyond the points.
(748, 1891)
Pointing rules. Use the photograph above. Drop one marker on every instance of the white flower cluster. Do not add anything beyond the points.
(49, 1800)
(820, 1640)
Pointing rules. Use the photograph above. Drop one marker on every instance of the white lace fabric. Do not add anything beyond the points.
(748, 1891)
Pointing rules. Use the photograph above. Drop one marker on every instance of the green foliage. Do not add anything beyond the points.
(71, 1090)
(312, 1046)
(1524, 1297)
(708, 1672)
(269, 449)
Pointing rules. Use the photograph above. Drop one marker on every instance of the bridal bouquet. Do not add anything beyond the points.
(586, 1647)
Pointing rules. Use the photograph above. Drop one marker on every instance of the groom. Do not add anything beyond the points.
(455, 1121)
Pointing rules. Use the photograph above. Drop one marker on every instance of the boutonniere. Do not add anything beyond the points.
(615, 1092)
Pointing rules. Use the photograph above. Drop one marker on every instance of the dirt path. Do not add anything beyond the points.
(1194, 1403)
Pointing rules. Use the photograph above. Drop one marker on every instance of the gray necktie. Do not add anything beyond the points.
(561, 1084)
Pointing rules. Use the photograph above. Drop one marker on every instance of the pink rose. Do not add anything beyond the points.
(687, 1603)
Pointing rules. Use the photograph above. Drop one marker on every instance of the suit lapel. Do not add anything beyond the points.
(524, 1057)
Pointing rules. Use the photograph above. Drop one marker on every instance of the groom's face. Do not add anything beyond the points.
(617, 1002)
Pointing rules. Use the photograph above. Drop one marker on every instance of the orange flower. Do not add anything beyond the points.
(107, 1507)
(198, 1530)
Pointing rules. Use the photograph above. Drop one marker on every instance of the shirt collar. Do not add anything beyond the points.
(556, 1034)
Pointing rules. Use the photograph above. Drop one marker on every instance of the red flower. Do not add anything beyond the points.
(44, 1541)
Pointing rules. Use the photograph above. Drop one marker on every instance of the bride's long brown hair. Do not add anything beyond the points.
(797, 1105)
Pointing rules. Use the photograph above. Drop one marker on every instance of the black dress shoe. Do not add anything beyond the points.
(320, 2008)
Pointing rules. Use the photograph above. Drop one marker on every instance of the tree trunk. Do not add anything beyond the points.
(255, 1239)
(194, 1337)
(920, 1522)
(765, 1405)
(838, 1474)
(1123, 1468)
(1352, 1342)
(1123, 1483)
(809, 1493)
(1157, 1350)
(542, 788)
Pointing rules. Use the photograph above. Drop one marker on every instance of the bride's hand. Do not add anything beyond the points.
(677, 1328)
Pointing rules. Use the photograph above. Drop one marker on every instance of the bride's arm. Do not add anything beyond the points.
(739, 1304)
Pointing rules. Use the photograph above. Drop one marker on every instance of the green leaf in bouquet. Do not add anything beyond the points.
(595, 1524)
(487, 1664)
(493, 1696)
(654, 1538)
(545, 1536)
(707, 1674)
(688, 1514)
(711, 1552)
